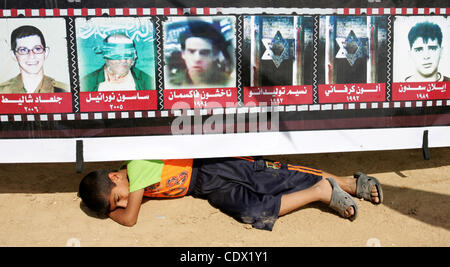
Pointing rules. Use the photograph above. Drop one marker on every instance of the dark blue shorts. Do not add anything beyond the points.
(249, 189)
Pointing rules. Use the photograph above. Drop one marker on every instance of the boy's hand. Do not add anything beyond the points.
(128, 216)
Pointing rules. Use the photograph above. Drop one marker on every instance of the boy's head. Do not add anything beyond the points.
(103, 191)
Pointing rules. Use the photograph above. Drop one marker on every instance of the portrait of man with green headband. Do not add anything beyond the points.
(119, 72)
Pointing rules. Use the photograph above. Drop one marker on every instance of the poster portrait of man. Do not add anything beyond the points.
(116, 54)
(277, 50)
(35, 58)
(199, 52)
(421, 49)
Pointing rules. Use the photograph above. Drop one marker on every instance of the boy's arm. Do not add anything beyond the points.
(128, 216)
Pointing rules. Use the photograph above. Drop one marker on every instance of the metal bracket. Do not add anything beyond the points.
(80, 159)
(425, 149)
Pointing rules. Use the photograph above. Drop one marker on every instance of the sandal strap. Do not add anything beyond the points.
(364, 184)
(341, 200)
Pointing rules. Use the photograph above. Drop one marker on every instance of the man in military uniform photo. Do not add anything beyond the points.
(29, 50)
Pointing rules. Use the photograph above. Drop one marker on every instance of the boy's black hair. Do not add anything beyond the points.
(94, 191)
(25, 31)
(426, 30)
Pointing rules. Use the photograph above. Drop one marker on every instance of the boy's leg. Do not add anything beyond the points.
(347, 184)
(298, 199)
(321, 191)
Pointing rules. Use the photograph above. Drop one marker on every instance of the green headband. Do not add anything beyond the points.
(114, 51)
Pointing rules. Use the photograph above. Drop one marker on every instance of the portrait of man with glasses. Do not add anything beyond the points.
(29, 50)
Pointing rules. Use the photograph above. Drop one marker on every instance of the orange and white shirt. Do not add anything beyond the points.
(160, 178)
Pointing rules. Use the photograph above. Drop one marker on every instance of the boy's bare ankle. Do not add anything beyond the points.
(324, 191)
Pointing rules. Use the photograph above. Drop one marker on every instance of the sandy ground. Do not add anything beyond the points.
(39, 207)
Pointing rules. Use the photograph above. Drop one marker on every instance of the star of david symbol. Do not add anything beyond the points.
(277, 49)
(350, 47)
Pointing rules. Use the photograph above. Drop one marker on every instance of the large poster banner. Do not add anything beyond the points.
(109, 48)
(209, 81)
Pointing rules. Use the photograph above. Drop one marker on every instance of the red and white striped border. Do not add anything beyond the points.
(104, 115)
(57, 12)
